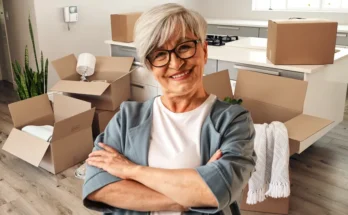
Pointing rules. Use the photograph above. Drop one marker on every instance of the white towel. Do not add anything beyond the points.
(44, 132)
(271, 177)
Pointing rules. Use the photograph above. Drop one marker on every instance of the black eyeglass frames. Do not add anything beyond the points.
(184, 50)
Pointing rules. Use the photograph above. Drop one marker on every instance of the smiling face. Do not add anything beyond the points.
(180, 76)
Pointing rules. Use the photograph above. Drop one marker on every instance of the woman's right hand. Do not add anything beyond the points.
(215, 156)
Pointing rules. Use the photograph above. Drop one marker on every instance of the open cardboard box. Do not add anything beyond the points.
(103, 95)
(270, 98)
(71, 141)
(101, 120)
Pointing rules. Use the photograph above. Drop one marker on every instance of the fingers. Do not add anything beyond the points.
(216, 156)
(108, 151)
(98, 164)
(96, 159)
(99, 153)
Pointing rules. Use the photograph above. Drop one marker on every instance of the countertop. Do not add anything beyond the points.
(246, 54)
(256, 23)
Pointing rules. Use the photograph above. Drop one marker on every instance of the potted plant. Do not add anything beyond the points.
(233, 101)
(30, 83)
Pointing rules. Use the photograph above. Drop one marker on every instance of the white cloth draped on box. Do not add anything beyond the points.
(44, 132)
(271, 177)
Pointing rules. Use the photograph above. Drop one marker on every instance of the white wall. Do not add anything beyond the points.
(241, 9)
(89, 33)
(18, 29)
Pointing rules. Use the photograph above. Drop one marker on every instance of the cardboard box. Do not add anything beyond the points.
(101, 120)
(103, 95)
(301, 41)
(122, 26)
(270, 98)
(72, 139)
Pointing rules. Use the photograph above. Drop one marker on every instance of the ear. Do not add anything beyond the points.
(205, 49)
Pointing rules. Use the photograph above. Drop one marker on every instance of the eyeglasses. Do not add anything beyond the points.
(184, 50)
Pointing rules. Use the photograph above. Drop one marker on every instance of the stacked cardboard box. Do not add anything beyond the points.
(301, 41)
(106, 89)
(122, 26)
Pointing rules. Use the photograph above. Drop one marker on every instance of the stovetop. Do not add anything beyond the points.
(220, 40)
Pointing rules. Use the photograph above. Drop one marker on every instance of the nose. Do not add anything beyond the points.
(175, 62)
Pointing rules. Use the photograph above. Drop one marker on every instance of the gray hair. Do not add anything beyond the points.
(155, 27)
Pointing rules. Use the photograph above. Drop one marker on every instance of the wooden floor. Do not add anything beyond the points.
(319, 176)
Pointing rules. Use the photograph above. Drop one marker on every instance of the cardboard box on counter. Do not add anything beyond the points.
(72, 138)
(301, 41)
(101, 120)
(122, 26)
(103, 95)
(270, 98)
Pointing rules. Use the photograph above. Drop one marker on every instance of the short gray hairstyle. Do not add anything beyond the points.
(155, 27)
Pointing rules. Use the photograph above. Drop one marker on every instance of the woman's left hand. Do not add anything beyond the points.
(111, 161)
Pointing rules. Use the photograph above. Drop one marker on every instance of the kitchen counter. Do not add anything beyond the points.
(256, 23)
(326, 83)
(245, 54)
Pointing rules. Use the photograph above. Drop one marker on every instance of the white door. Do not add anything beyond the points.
(5, 57)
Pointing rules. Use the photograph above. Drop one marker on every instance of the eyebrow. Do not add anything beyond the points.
(180, 40)
(183, 39)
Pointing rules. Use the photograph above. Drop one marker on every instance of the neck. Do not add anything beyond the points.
(184, 103)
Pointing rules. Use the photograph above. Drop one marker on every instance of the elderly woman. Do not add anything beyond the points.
(185, 151)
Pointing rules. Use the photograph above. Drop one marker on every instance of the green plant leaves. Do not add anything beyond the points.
(233, 101)
(29, 82)
(33, 42)
(24, 86)
(46, 74)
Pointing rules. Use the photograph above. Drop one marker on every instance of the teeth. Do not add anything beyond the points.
(180, 75)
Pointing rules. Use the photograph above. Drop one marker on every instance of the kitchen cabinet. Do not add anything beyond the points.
(233, 30)
(142, 92)
(143, 84)
(263, 32)
(269, 71)
(210, 66)
(342, 39)
(143, 76)
(124, 51)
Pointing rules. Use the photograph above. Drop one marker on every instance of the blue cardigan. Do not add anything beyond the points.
(228, 127)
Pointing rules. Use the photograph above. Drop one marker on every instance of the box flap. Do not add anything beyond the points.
(283, 92)
(263, 112)
(80, 87)
(304, 126)
(25, 146)
(66, 67)
(29, 110)
(73, 124)
(65, 107)
(113, 64)
(219, 84)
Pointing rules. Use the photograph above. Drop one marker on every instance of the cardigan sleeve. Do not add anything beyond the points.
(228, 176)
(97, 178)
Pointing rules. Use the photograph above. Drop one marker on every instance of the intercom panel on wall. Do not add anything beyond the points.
(70, 14)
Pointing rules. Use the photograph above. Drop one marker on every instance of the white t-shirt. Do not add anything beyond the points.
(175, 137)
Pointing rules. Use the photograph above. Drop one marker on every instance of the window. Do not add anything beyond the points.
(302, 5)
